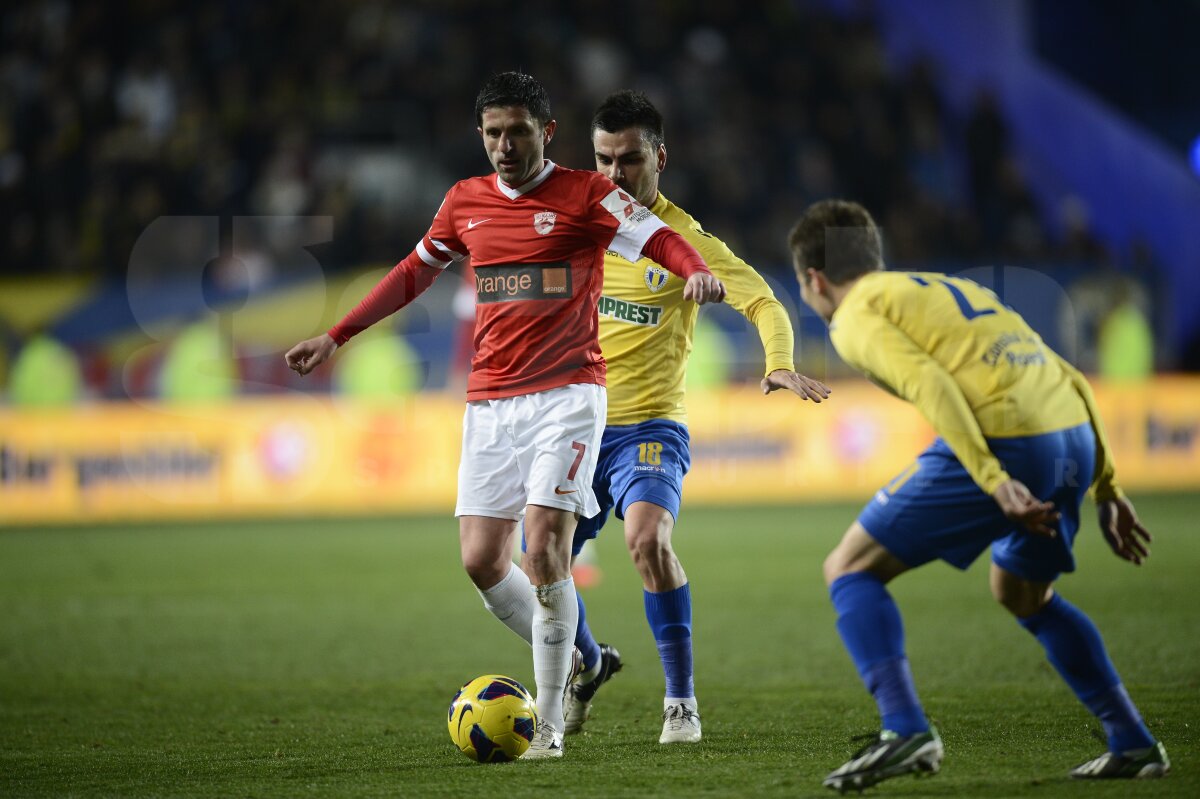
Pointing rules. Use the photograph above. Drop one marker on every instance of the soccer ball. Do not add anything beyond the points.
(492, 719)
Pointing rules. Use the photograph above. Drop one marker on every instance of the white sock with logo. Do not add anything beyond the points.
(512, 602)
(555, 616)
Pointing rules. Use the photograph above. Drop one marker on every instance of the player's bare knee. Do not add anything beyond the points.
(484, 570)
(834, 566)
(649, 545)
(859, 552)
(829, 569)
(536, 565)
(1021, 598)
(546, 565)
(657, 566)
(648, 537)
(1020, 605)
(644, 560)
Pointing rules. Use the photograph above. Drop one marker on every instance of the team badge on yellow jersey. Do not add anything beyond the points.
(646, 325)
(656, 277)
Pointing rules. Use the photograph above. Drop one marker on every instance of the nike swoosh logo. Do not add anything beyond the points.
(548, 642)
(506, 618)
(558, 490)
(472, 224)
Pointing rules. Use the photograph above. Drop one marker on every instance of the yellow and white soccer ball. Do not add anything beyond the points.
(492, 719)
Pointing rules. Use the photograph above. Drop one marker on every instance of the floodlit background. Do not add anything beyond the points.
(188, 189)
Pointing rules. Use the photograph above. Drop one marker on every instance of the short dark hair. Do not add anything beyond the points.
(513, 89)
(838, 238)
(629, 109)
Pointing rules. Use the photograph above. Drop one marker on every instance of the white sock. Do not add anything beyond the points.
(555, 616)
(511, 601)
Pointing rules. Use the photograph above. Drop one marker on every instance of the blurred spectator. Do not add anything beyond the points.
(45, 374)
(1126, 342)
(1106, 321)
(145, 96)
(1078, 244)
(199, 366)
(384, 368)
(712, 357)
(987, 146)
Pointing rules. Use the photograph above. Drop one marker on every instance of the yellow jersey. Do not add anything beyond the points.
(646, 326)
(970, 364)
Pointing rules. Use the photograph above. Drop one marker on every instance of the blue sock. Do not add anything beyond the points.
(584, 640)
(1075, 649)
(670, 617)
(870, 626)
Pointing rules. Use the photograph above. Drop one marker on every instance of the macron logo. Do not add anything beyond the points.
(472, 224)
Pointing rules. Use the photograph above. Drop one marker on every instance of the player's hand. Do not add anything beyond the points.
(804, 387)
(1122, 530)
(309, 354)
(1020, 506)
(702, 287)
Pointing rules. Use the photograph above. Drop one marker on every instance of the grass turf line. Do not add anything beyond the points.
(316, 658)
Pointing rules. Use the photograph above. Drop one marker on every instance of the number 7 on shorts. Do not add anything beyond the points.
(579, 450)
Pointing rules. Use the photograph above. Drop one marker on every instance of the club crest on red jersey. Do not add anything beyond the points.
(543, 221)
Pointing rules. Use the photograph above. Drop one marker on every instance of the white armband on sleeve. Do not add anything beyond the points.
(637, 224)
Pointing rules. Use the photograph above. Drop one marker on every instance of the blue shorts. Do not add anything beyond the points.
(933, 509)
(643, 462)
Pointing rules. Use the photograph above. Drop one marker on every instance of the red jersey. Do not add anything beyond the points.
(538, 255)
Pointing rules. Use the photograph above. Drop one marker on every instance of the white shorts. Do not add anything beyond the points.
(533, 449)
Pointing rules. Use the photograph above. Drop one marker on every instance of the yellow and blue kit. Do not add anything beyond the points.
(646, 326)
(646, 336)
(1002, 404)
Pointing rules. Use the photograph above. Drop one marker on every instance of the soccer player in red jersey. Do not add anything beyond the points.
(536, 234)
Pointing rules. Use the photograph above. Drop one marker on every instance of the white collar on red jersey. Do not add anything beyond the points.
(529, 185)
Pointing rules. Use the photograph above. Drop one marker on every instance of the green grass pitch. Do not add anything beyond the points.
(317, 658)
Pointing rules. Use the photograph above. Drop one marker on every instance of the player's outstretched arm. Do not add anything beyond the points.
(680, 258)
(804, 387)
(1126, 536)
(1021, 506)
(311, 353)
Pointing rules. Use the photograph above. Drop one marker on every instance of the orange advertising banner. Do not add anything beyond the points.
(303, 456)
(272, 456)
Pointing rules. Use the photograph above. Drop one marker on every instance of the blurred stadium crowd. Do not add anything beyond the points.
(115, 114)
